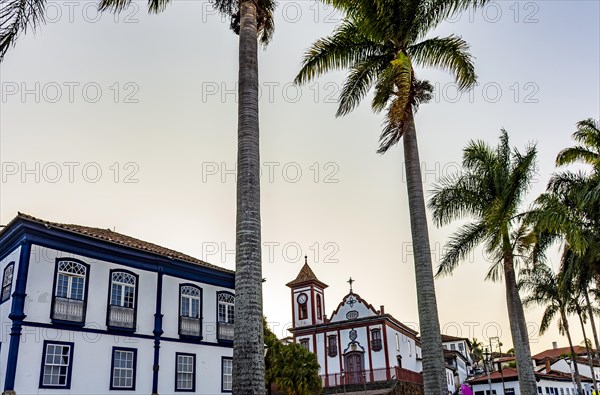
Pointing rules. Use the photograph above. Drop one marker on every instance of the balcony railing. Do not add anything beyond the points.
(376, 344)
(68, 309)
(121, 317)
(189, 326)
(225, 331)
(372, 376)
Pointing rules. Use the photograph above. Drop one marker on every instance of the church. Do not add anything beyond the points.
(357, 344)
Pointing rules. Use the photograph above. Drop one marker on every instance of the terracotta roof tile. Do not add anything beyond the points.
(306, 275)
(557, 352)
(109, 236)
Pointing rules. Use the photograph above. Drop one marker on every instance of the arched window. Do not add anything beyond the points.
(319, 308)
(190, 301)
(332, 346)
(122, 292)
(71, 280)
(7, 279)
(225, 315)
(122, 306)
(376, 344)
(70, 290)
(190, 310)
(226, 307)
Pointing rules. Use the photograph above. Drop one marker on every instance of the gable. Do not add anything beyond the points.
(353, 307)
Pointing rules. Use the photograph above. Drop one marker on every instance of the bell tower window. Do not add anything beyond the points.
(319, 308)
(302, 306)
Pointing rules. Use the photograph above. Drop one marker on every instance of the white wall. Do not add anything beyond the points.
(584, 369)
(567, 387)
(406, 347)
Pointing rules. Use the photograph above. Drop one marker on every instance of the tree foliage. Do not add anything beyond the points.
(292, 368)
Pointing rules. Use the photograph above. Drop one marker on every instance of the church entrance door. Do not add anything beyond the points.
(354, 368)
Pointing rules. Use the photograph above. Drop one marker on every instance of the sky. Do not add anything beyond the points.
(129, 122)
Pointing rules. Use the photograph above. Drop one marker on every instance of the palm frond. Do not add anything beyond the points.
(360, 79)
(447, 53)
(431, 13)
(346, 47)
(399, 116)
(16, 17)
(458, 247)
(456, 196)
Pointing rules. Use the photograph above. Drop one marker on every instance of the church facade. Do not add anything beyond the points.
(357, 343)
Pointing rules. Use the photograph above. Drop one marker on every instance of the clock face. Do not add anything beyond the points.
(302, 298)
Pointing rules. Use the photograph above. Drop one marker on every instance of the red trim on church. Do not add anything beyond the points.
(385, 342)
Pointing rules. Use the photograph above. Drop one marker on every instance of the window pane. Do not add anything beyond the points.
(129, 296)
(62, 286)
(77, 288)
(195, 308)
(185, 306)
(115, 298)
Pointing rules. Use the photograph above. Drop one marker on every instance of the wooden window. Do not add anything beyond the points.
(185, 372)
(7, 280)
(122, 375)
(190, 310)
(319, 308)
(226, 374)
(376, 344)
(70, 290)
(122, 304)
(57, 364)
(305, 343)
(332, 347)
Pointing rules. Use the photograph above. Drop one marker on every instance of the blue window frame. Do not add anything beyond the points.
(7, 280)
(121, 313)
(226, 374)
(185, 372)
(123, 368)
(69, 300)
(190, 311)
(57, 365)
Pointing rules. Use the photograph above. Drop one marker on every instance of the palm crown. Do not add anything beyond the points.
(380, 42)
(490, 189)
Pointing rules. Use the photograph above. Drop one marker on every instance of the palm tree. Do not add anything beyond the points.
(588, 150)
(477, 350)
(380, 42)
(548, 290)
(490, 189)
(587, 190)
(252, 20)
(576, 307)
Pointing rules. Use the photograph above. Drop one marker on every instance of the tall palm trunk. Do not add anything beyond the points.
(587, 347)
(588, 304)
(565, 323)
(248, 345)
(518, 325)
(434, 376)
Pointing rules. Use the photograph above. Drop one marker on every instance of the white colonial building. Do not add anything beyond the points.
(91, 311)
(506, 382)
(357, 343)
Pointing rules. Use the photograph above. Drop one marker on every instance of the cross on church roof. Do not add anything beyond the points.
(350, 282)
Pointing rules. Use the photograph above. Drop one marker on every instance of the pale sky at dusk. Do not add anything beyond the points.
(129, 122)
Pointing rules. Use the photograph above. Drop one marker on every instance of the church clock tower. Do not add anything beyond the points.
(308, 298)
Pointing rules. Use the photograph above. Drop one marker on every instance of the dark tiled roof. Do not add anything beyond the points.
(557, 352)
(109, 236)
(306, 275)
